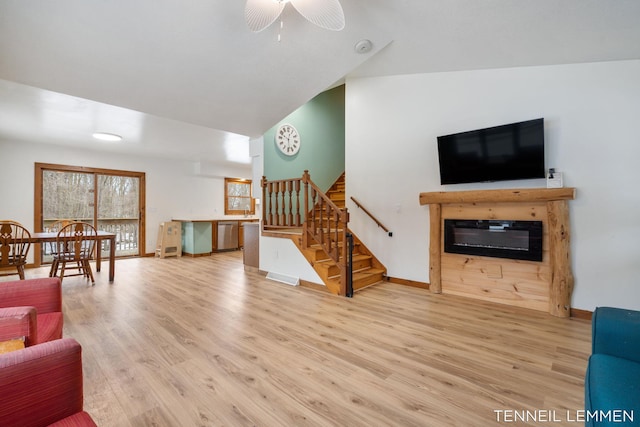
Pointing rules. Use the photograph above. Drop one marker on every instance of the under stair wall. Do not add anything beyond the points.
(280, 255)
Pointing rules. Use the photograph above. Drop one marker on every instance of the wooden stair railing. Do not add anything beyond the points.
(327, 226)
(281, 208)
(320, 219)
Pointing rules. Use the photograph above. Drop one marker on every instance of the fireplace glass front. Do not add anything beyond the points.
(494, 238)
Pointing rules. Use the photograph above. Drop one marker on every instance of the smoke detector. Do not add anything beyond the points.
(363, 46)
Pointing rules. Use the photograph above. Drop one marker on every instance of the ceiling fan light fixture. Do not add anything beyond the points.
(327, 14)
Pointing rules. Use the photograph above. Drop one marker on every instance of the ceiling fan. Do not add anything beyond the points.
(326, 14)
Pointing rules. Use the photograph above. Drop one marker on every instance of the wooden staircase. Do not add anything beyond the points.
(366, 268)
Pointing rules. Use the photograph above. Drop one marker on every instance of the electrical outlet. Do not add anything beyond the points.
(554, 179)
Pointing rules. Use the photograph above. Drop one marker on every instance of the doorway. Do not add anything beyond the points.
(110, 200)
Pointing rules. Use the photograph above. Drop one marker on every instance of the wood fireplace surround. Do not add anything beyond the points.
(546, 285)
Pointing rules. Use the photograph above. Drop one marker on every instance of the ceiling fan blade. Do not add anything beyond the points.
(259, 14)
(327, 14)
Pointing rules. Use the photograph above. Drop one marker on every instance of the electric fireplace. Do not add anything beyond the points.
(494, 238)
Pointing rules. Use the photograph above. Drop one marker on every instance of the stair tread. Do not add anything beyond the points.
(367, 272)
(361, 279)
(328, 262)
(364, 273)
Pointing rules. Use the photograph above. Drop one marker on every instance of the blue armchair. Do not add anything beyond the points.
(612, 381)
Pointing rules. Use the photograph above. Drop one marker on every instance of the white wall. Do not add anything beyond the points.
(175, 189)
(591, 114)
(281, 256)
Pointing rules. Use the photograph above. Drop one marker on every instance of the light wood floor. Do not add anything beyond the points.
(200, 342)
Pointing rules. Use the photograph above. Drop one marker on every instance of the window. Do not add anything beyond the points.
(110, 200)
(237, 197)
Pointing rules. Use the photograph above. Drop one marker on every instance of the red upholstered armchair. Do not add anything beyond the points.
(32, 309)
(41, 386)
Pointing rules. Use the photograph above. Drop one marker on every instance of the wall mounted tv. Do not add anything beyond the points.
(500, 153)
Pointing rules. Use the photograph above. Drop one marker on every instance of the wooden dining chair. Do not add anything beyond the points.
(52, 248)
(14, 247)
(75, 244)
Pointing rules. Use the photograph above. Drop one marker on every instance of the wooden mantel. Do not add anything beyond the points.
(498, 196)
(549, 205)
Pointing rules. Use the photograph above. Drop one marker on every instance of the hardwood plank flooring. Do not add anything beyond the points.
(200, 342)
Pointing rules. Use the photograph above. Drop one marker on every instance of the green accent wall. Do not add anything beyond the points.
(321, 125)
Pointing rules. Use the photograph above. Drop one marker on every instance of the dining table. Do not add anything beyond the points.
(50, 237)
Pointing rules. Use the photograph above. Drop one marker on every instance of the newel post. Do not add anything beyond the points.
(344, 256)
(263, 184)
(305, 228)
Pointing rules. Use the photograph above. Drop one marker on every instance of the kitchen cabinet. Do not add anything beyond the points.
(251, 250)
(196, 237)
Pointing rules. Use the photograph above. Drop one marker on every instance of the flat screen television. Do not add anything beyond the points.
(500, 153)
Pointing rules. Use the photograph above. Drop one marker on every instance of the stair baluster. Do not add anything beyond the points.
(297, 191)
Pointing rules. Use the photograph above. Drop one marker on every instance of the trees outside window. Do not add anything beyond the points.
(110, 200)
(237, 197)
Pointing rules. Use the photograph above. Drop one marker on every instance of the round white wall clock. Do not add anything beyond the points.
(287, 139)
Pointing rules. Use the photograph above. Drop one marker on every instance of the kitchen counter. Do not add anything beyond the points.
(200, 235)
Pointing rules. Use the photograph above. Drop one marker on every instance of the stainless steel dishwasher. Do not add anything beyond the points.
(227, 235)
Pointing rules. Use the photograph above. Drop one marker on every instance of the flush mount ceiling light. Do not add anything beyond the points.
(104, 136)
(326, 14)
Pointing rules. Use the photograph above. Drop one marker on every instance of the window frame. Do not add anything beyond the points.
(227, 210)
(39, 168)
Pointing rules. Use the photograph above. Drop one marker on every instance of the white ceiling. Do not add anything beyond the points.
(189, 80)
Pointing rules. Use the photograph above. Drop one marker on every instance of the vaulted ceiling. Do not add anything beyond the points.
(189, 80)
